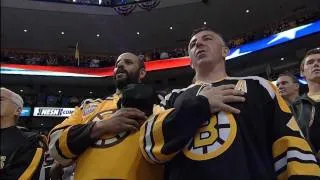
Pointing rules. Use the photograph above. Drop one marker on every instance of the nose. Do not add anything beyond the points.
(317, 63)
(199, 43)
(120, 65)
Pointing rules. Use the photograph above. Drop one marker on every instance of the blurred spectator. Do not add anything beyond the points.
(74, 101)
(288, 86)
(164, 55)
(141, 56)
(155, 54)
(52, 101)
(52, 61)
(95, 62)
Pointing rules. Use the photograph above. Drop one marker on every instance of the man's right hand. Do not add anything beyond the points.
(124, 119)
(219, 96)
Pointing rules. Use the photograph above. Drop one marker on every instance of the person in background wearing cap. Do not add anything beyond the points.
(102, 136)
(21, 151)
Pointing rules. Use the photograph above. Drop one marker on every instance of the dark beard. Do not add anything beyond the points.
(130, 79)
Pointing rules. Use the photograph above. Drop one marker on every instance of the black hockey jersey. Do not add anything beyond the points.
(262, 142)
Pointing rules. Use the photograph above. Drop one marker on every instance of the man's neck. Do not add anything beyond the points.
(314, 88)
(292, 98)
(216, 74)
(7, 122)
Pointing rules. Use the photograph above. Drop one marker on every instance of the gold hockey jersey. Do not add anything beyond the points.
(113, 156)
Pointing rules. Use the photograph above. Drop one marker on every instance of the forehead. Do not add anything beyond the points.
(312, 56)
(128, 56)
(284, 78)
(201, 34)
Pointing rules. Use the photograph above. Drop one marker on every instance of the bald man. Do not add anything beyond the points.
(21, 151)
(102, 135)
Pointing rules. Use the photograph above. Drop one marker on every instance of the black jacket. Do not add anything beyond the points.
(21, 153)
(307, 114)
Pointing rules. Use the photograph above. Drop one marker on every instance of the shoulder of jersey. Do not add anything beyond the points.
(266, 84)
(174, 93)
(256, 78)
(90, 101)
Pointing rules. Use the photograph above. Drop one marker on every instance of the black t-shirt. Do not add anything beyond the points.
(11, 139)
(18, 149)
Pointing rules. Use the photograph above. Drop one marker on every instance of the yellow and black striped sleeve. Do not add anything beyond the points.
(164, 134)
(293, 156)
(70, 138)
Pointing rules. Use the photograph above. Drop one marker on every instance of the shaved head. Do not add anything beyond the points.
(11, 107)
(14, 97)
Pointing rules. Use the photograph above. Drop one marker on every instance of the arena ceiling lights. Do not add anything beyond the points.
(242, 50)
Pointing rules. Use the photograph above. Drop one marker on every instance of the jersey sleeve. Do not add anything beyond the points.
(70, 138)
(293, 156)
(166, 133)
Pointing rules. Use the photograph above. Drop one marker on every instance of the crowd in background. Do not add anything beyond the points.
(96, 61)
(273, 28)
(52, 100)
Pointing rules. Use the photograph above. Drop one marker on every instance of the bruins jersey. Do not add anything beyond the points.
(262, 142)
(113, 156)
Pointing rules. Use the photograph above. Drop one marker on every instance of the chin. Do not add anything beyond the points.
(316, 79)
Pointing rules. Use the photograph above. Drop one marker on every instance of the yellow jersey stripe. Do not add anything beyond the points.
(281, 102)
(282, 144)
(27, 174)
(159, 138)
(298, 168)
(142, 144)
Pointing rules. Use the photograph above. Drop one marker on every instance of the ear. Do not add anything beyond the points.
(18, 111)
(225, 51)
(302, 70)
(142, 73)
(191, 64)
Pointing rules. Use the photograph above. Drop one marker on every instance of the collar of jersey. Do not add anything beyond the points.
(207, 83)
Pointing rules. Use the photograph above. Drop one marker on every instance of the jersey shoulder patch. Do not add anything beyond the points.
(89, 105)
